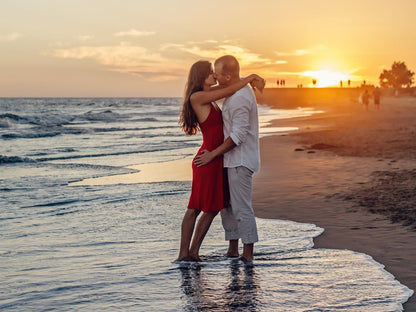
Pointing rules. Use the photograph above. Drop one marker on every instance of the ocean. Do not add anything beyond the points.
(68, 245)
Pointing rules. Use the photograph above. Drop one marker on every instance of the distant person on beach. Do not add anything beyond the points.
(376, 97)
(241, 158)
(209, 191)
(366, 99)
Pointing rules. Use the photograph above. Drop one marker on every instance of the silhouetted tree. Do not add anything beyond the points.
(397, 77)
(314, 82)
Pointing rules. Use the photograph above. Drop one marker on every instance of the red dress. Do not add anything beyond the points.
(209, 182)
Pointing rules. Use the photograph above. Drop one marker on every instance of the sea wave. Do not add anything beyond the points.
(115, 129)
(46, 132)
(7, 120)
(118, 153)
(50, 119)
(14, 159)
(62, 118)
(35, 133)
(106, 115)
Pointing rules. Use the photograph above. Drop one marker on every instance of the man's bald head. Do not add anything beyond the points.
(228, 68)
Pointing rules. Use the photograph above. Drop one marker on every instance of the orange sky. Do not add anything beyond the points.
(137, 48)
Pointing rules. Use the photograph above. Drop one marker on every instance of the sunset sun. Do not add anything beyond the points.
(326, 77)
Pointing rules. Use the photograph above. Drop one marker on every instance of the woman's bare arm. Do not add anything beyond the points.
(216, 93)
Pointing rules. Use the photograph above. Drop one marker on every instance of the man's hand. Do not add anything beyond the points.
(203, 159)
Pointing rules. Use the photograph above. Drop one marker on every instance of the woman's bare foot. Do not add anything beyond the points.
(195, 258)
(186, 258)
(232, 255)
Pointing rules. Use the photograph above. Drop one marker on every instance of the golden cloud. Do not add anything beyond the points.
(134, 33)
(293, 53)
(85, 37)
(211, 50)
(125, 58)
(168, 62)
(10, 37)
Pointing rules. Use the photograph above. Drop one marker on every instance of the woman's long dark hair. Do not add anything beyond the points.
(197, 75)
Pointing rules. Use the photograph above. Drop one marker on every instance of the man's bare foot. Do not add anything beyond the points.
(246, 261)
(248, 254)
(232, 251)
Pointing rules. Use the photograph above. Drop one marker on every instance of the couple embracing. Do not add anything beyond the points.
(229, 155)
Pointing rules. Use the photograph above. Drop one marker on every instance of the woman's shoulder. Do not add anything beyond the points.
(193, 98)
(198, 99)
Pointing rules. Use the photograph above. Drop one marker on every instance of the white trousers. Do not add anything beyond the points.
(238, 220)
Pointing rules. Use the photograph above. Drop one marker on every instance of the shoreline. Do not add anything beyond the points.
(180, 169)
(321, 173)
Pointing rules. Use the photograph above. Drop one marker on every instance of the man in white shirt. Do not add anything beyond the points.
(241, 158)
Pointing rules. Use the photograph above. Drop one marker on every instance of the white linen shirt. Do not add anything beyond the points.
(241, 124)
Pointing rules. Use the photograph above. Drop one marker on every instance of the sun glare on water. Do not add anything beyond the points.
(326, 78)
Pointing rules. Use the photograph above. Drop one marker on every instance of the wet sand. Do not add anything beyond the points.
(175, 170)
(352, 172)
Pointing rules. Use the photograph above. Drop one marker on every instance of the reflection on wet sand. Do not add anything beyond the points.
(203, 292)
(242, 292)
(175, 170)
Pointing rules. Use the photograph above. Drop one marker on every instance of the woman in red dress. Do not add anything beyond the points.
(200, 113)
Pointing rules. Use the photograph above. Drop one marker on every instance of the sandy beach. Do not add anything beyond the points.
(349, 171)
